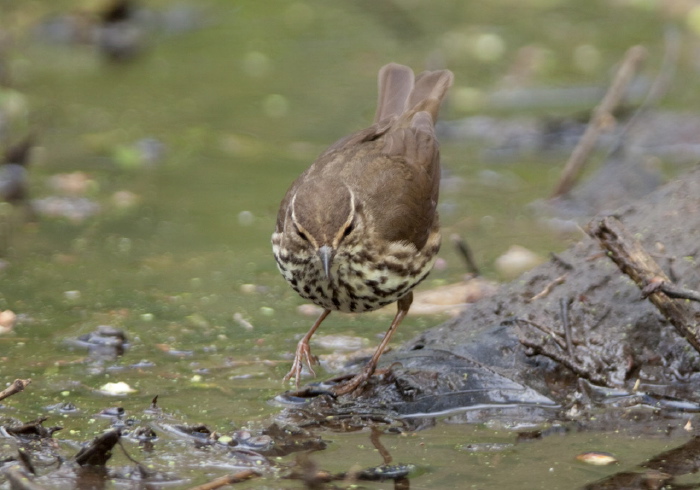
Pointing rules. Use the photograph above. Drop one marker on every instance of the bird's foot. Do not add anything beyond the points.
(303, 355)
(356, 383)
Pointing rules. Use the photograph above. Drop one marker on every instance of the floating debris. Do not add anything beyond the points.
(486, 447)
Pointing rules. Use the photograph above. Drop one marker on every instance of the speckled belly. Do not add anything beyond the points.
(360, 280)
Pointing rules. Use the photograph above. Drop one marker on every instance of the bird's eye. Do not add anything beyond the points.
(302, 235)
(348, 230)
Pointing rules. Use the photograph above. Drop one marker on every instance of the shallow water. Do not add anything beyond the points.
(242, 99)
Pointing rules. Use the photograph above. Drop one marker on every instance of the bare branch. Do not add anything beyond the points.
(602, 118)
(629, 255)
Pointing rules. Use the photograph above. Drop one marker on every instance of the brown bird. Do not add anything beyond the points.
(359, 229)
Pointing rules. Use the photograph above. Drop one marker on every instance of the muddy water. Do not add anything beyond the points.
(231, 101)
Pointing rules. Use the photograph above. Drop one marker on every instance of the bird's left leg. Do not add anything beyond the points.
(352, 384)
(303, 353)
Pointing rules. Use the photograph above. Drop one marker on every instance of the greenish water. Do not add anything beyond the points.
(242, 104)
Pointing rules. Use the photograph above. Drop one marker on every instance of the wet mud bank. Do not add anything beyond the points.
(573, 335)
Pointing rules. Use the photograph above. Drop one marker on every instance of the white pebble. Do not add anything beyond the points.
(309, 310)
(238, 318)
(120, 388)
(517, 260)
(267, 311)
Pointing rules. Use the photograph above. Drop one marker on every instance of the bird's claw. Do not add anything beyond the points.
(302, 356)
(354, 383)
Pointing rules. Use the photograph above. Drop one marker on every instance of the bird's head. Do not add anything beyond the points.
(322, 221)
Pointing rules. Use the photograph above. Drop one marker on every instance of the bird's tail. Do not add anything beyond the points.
(400, 91)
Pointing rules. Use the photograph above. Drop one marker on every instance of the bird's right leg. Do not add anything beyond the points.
(303, 354)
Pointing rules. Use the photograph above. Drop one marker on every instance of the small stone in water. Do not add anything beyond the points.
(119, 388)
(8, 319)
(275, 106)
(256, 64)
(340, 342)
(225, 440)
(73, 184)
(245, 218)
(258, 443)
(516, 261)
(238, 318)
(440, 264)
(597, 458)
(124, 199)
(267, 311)
(309, 310)
(75, 209)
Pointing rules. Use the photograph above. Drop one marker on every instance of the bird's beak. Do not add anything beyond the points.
(325, 253)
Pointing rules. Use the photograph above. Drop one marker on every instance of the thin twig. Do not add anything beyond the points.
(128, 456)
(565, 360)
(679, 292)
(548, 288)
(671, 290)
(561, 262)
(564, 313)
(374, 438)
(26, 460)
(222, 481)
(601, 119)
(659, 87)
(555, 336)
(16, 386)
(466, 252)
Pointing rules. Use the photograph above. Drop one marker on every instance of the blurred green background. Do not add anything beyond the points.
(181, 155)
